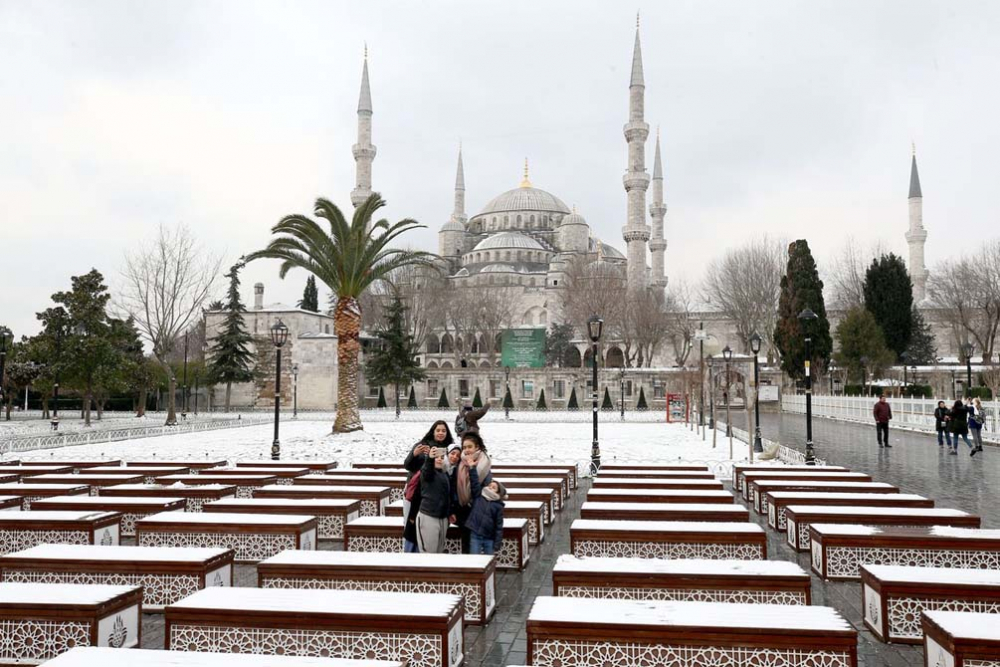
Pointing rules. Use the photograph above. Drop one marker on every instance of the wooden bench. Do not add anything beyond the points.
(332, 514)
(87, 656)
(420, 630)
(471, 577)
(34, 471)
(194, 465)
(894, 597)
(537, 495)
(637, 633)
(667, 539)
(740, 468)
(763, 486)
(251, 536)
(314, 466)
(777, 501)
(10, 479)
(285, 475)
(752, 476)
(245, 484)
(165, 575)
(374, 499)
(557, 485)
(11, 503)
(565, 466)
(29, 493)
(150, 474)
(838, 550)
(690, 467)
(660, 483)
(194, 496)
(798, 518)
(531, 510)
(23, 530)
(94, 482)
(74, 466)
(385, 534)
(131, 509)
(718, 496)
(734, 581)
(655, 474)
(504, 472)
(41, 621)
(396, 483)
(663, 512)
(961, 639)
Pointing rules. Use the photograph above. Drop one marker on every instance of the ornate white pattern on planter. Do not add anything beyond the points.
(468, 591)
(904, 613)
(533, 530)
(374, 543)
(369, 508)
(490, 594)
(804, 536)
(455, 645)
(158, 589)
(873, 608)
(423, 650)
(248, 546)
(32, 642)
(790, 530)
(770, 516)
(285, 481)
(395, 494)
(558, 653)
(712, 551)
(244, 491)
(844, 562)
(19, 540)
(972, 663)
(682, 594)
(817, 557)
(331, 526)
(782, 519)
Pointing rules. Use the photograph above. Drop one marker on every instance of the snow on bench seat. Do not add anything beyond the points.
(284, 474)
(733, 581)
(315, 466)
(664, 483)
(195, 464)
(332, 514)
(95, 481)
(245, 483)
(396, 483)
(798, 518)
(893, 597)
(961, 639)
(373, 498)
(653, 466)
(777, 501)
(41, 621)
(471, 577)
(751, 476)
(166, 575)
(567, 467)
(668, 539)
(533, 511)
(538, 495)
(764, 486)
(385, 534)
(75, 464)
(11, 503)
(637, 633)
(543, 473)
(558, 485)
(194, 496)
(149, 473)
(87, 656)
(11, 479)
(30, 492)
(253, 537)
(740, 468)
(23, 530)
(838, 550)
(421, 630)
(131, 509)
(660, 496)
(33, 471)
(632, 473)
(663, 511)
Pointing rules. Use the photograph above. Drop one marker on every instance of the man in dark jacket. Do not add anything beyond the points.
(941, 419)
(882, 413)
(468, 419)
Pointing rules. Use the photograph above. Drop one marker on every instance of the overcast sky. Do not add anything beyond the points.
(782, 117)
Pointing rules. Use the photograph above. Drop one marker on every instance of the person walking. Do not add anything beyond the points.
(977, 419)
(468, 418)
(882, 413)
(439, 435)
(485, 521)
(435, 502)
(959, 425)
(941, 424)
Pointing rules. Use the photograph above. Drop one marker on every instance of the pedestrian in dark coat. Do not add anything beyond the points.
(959, 425)
(468, 418)
(882, 413)
(941, 424)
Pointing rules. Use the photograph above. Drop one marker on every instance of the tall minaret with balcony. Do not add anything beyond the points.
(636, 232)
(451, 237)
(364, 151)
(916, 236)
(657, 210)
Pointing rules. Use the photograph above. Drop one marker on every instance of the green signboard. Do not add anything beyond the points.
(523, 348)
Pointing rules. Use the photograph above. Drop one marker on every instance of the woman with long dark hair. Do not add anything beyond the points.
(439, 435)
(959, 425)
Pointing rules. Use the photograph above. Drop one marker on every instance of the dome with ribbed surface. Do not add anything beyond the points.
(512, 240)
(453, 226)
(573, 218)
(525, 199)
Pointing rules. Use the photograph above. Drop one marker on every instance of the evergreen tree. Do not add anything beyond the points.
(921, 350)
(310, 296)
(411, 403)
(862, 349)
(443, 401)
(889, 297)
(641, 405)
(231, 358)
(801, 288)
(541, 401)
(606, 404)
(392, 360)
(381, 398)
(573, 404)
(557, 344)
(477, 401)
(508, 400)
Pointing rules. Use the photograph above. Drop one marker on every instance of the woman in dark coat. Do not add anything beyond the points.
(959, 425)
(439, 435)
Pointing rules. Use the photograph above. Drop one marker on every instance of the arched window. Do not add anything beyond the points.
(447, 345)
(506, 255)
(506, 220)
(432, 365)
(531, 219)
(498, 345)
(446, 364)
(487, 255)
(433, 345)
(518, 221)
(543, 318)
(615, 358)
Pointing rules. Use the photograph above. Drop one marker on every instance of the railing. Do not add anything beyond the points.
(785, 454)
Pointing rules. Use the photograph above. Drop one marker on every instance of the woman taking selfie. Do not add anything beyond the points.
(439, 435)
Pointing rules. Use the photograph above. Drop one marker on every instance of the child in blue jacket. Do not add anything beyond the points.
(485, 522)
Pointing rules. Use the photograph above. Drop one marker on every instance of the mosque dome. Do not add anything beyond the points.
(610, 252)
(525, 198)
(574, 218)
(501, 268)
(514, 240)
(453, 226)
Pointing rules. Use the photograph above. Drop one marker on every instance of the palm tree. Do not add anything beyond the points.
(348, 260)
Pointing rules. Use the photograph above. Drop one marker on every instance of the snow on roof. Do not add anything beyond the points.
(940, 512)
(934, 575)
(306, 601)
(568, 563)
(667, 526)
(670, 507)
(383, 560)
(378, 521)
(81, 552)
(501, 475)
(60, 594)
(752, 475)
(23, 489)
(967, 625)
(93, 656)
(215, 518)
(333, 477)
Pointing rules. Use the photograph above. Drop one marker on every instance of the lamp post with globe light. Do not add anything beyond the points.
(727, 354)
(755, 342)
(279, 336)
(594, 327)
(807, 317)
(967, 350)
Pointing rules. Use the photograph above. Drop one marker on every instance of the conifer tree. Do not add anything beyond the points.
(392, 359)
(573, 404)
(508, 400)
(801, 288)
(231, 358)
(889, 297)
(641, 404)
(381, 398)
(606, 404)
(921, 349)
(310, 296)
(477, 401)
(411, 403)
(541, 401)
(443, 401)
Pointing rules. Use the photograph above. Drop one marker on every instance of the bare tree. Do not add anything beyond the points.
(594, 287)
(680, 320)
(165, 285)
(493, 311)
(645, 325)
(967, 289)
(847, 273)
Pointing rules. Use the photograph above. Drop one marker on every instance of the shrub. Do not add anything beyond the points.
(572, 405)
(381, 398)
(541, 401)
(641, 405)
(443, 401)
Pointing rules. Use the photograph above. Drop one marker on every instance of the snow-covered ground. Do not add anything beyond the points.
(308, 437)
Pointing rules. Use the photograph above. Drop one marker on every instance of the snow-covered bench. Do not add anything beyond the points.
(662, 483)
(312, 466)
(961, 639)
(471, 577)
(740, 468)
(567, 467)
(734, 581)
(798, 518)
(663, 511)
(10, 479)
(693, 467)
(87, 656)
(23, 471)
(638, 473)
(420, 630)
(385, 534)
(716, 496)
(166, 575)
(558, 485)
(73, 464)
(893, 597)
(763, 486)
(194, 496)
(131, 509)
(506, 472)
(396, 483)
(41, 621)
(667, 539)
(194, 464)
(285, 475)
(751, 476)
(777, 501)
(373, 498)
(30, 492)
(11, 503)
(253, 537)
(637, 633)
(23, 530)
(95, 482)
(332, 514)
(149, 473)
(531, 510)
(537, 495)
(838, 550)
(245, 484)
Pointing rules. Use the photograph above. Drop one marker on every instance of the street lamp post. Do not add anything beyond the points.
(196, 392)
(622, 388)
(906, 380)
(711, 400)
(954, 386)
(727, 354)
(295, 393)
(758, 445)
(806, 317)
(864, 376)
(5, 335)
(700, 336)
(184, 382)
(832, 370)
(594, 327)
(967, 350)
(506, 405)
(279, 336)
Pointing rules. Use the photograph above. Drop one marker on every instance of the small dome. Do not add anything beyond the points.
(513, 240)
(611, 251)
(453, 226)
(573, 218)
(462, 273)
(525, 199)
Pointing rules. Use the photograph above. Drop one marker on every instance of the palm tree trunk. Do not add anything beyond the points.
(347, 326)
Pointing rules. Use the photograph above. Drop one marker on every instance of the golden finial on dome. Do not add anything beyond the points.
(525, 183)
